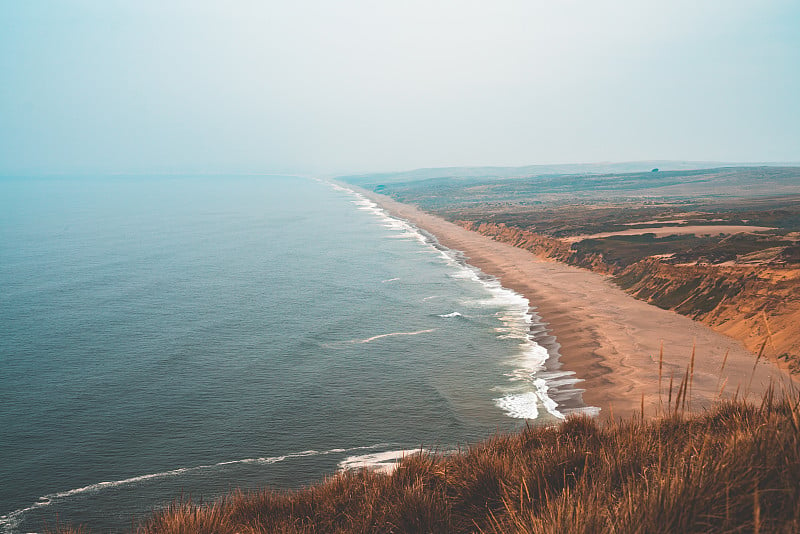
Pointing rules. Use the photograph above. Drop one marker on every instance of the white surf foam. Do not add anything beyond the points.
(450, 315)
(403, 229)
(529, 395)
(383, 462)
(389, 280)
(549, 404)
(519, 405)
(392, 334)
(557, 379)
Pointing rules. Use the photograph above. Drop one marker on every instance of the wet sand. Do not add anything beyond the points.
(610, 339)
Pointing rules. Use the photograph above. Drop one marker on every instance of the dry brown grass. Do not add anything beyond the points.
(734, 468)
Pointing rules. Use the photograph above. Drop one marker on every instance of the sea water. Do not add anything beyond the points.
(179, 337)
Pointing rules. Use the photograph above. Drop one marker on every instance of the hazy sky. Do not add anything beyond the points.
(340, 86)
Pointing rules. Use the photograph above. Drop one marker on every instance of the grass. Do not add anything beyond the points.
(733, 468)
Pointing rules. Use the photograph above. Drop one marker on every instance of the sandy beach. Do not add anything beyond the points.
(611, 340)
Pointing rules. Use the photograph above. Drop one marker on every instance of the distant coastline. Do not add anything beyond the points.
(610, 339)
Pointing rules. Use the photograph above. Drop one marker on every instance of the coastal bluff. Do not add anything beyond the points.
(624, 349)
(750, 303)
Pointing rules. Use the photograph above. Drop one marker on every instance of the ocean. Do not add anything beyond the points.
(176, 337)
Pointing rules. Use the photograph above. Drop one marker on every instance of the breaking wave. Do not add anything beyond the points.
(392, 334)
(383, 462)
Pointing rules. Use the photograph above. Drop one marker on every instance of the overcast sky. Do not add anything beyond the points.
(351, 86)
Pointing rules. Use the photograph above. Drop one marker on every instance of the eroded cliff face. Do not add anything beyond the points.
(547, 247)
(751, 303)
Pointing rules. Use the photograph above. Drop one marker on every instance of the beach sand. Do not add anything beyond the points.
(608, 338)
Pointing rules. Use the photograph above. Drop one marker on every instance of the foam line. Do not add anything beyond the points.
(549, 404)
(381, 336)
(519, 405)
(382, 462)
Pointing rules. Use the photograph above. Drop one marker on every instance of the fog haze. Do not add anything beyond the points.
(351, 86)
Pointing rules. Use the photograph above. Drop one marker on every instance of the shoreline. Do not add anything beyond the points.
(608, 338)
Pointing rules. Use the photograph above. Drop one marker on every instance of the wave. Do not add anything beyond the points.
(404, 229)
(392, 334)
(534, 389)
(383, 462)
(10, 521)
(519, 405)
(449, 315)
(530, 394)
(389, 280)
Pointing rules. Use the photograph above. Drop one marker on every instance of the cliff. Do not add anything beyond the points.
(547, 247)
(750, 303)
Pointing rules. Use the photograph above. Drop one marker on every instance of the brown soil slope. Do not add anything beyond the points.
(751, 303)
